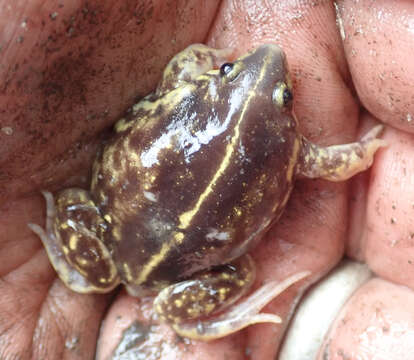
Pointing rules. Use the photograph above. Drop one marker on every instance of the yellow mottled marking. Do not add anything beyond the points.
(179, 236)
(241, 283)
(201, 295)
(193, 312)
(81, 261)
(238, 211)
(108, 218)
(208, 308)
(73, 242)
(178, 303)
(127, 272)
(225, 276)
(223, 293)
(116, 233)
(134, 159)
(122, 125)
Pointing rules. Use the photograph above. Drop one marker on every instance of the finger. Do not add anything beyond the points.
(389, 232)
(376, 38)
(376, 321)
(382, 232)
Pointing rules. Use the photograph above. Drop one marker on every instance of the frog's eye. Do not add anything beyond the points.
(226, 68)
(287, 97)
(229, 71)
(282, 95)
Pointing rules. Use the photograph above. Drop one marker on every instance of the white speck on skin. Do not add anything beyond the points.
(71, 343)
(150, 196)
(214, 234)
(242, 150)
(409, 117)
(7, 130)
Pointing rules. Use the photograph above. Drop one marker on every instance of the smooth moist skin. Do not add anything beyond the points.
(191, 180)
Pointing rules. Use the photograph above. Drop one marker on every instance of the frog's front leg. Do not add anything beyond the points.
(190, 63)
(339, 162)
(189, 305)
(72, 239)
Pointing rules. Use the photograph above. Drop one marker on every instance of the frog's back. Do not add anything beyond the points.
(193, 188)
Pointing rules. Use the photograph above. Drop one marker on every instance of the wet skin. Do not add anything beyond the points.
(191, 180)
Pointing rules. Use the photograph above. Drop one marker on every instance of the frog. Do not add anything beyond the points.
(191, 180)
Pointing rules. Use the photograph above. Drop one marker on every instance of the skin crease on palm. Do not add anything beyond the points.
(73, 63)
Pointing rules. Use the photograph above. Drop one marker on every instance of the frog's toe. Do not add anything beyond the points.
(373, 134)
(81, 260)
(241, 315)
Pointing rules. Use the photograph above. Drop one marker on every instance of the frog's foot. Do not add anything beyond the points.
(187, 65)
(241, 315)
(207, 292)
(193, 307)
(81, 260)
(339, 162)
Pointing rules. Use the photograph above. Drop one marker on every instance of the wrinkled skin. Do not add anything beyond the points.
(45, 92)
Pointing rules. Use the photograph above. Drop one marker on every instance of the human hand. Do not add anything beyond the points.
(87, 65)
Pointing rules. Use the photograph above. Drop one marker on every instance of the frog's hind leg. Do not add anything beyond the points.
(190, 63)
(71, 240)
(339, 162)
(189, 305)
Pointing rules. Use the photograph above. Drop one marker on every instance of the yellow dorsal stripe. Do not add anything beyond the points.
(158, 257)
(153, 262)
(186, 217)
